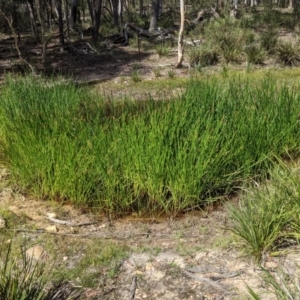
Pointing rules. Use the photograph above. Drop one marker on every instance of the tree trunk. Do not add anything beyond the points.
(97, 17)
(180, 36)
(91, 10)
(73, 13)
(41, 20)
(154, 15)
(235, 4)
(160, 7)
(60, 22)
(67, 18)
(120, 11)
(141, 8)
(115, 4)
(32, 19)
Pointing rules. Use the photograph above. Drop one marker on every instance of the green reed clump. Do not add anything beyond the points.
(148, 157)
(268, 213)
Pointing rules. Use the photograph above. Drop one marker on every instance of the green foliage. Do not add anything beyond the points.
(101, 260)
(136, 75)
(171, 74)
(254, 53)
(60, 142)
(156, 72)
(288, 54)
(269, 40)
(163, 49)
(228, 39)
(203, 56)
(284, 284)
(21, 279)
(268, 214)
(269, 18)
(259, 222)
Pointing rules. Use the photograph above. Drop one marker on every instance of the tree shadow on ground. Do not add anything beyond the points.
(75, 60)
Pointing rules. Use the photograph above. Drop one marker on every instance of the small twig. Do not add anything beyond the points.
(207, 280)
(67, 223)
(93, 49)
(83, 235)
(133, 288)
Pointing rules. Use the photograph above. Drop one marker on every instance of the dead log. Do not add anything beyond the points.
(160, 33)
(214, 12)
(200, 17)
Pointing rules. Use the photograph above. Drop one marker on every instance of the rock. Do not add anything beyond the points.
(7, 194)
(52, 228)
(51, 215)
(2, 223)
(271, 265)
(36, 253)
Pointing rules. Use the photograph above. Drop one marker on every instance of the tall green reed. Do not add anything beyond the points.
(144, 156)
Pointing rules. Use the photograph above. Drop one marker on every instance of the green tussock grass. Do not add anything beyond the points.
(62, 142)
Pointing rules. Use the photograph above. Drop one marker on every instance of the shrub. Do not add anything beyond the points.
(203, 56)
(259, 221)
(288, 54)
(163, 49)
(22, 279)
(269, 40)
(171, 74)
(255, 54)
(135, 74)
(268, 214)
(229, 39)
(283, 284)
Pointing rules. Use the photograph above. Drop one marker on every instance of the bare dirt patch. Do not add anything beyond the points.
(192, 257)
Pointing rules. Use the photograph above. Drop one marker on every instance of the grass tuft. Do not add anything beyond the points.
(288, 54)
(22, 279)
(268, 214)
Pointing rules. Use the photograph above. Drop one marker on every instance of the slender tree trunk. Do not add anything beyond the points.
(67, 18)
(154, 15)
(90, 5)
(41, 20)
(141, 8)
(180, 36)
(235, 4)
(60, 22)
(55, 6)
(97, 18)
(73, 13)
(115, 4)
(160, 7)
(32, 19)
(120, 11)
(49, 13)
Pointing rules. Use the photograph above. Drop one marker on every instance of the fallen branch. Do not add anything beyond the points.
(100, 235)
(93, 49)
(206, 280)
(133, 288)
(200, 17)
(67, 223)
(160, 33)
(9, 21)
(214, 12)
